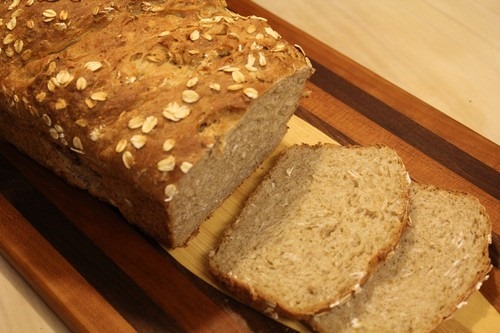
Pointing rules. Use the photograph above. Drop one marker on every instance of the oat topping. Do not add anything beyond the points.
(228, 69)
(128, 159)
(9, 52)
(90, 103)
(215, 86)
(308, 62)
(46, 119)
(99, 96)
(60, 26)
(250, 60)
(26, 55)
(40, 97)
(81, 83)
(52, 84)
(186, 166)
(251, 93)
(238, 76)
(149, 124)
(64, 78)
(63, 15)
(279, 47)
(207, 36)
(49, 15)
(272, 33)
(95, 134)
(195, 35)
(14, 4)
(175, 112)
(52, 68)
(136, 122)
(262, 59)
(298, 47)
(168, 145)
(77, 143)
(138, 141)
(9, 38)
(60, 104)
(192, 82)
(121, 146)
(18, 45)
(93, 65)
(81, 122)
(251, 29)
(190, 96)
(250, 68)
(11, 24)
(30, 24)
(170, 192)
(167, 164)
(58, 128)
(235, 87)
(53, 133)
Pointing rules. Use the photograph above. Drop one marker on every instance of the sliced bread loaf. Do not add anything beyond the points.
(441, 260)
(315, 228)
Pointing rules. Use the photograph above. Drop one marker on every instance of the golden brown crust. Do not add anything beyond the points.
(131, 89)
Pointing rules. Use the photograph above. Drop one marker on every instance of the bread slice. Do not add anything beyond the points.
(315, 228)
(161, 108)
(441, 260)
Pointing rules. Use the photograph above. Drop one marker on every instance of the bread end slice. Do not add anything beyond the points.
(441, 260)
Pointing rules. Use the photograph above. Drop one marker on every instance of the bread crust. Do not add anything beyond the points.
(133, 95)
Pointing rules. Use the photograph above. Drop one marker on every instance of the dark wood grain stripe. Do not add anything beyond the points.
(431, 144)
(100, 271)
(324, 127)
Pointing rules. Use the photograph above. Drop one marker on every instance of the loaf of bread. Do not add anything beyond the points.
(315, 228)
(161, 108)
(441, 260)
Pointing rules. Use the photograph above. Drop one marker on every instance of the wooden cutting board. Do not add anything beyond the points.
(98, 273)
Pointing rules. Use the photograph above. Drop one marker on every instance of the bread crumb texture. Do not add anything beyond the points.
(109, 82)
(441, 259)
(315, 228)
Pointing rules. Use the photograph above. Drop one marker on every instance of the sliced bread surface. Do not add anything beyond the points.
(315, 228)
(441, 260)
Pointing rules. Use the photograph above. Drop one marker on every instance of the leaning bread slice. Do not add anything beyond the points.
(315, 228)
(441, 260)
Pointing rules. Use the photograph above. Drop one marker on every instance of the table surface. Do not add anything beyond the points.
(444, 52)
